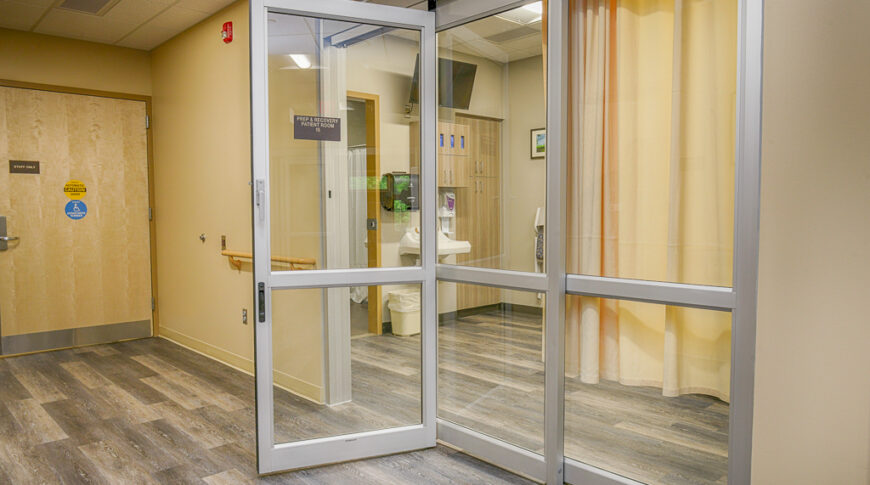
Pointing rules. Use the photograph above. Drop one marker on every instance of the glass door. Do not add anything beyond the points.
(344, 240)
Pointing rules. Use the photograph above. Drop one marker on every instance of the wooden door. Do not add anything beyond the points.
(69, 272)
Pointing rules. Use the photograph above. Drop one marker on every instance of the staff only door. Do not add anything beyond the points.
(74, 220)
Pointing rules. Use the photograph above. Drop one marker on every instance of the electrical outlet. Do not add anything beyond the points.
(245, 316)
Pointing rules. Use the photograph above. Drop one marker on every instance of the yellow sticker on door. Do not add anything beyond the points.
(75, 189)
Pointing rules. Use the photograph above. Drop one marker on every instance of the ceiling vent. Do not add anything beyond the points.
(90, 7)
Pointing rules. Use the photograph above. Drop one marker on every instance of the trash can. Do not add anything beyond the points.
(405, 310)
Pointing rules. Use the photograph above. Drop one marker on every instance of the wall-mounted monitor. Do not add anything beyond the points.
(455, 81)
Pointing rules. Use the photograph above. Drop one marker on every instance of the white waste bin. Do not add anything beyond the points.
(405, 309)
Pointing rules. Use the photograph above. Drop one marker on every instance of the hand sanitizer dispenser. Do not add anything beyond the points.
(447, 214)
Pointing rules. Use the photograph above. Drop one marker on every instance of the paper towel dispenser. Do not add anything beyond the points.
(400, 191)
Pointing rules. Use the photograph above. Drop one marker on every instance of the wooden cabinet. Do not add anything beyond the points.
(479, 208)
(453, 148)
(453, 145)
(470, 166)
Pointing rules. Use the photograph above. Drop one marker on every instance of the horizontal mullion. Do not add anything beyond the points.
(675, 294)
(492, 450)
(515, 280)
(327, 278)
(375, 14)
(581, 473)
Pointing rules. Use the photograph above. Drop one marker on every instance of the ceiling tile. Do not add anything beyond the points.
(20, 15)
(65, 23)
(119, 21)
(162, 28)
(146, 39)
(204, 6)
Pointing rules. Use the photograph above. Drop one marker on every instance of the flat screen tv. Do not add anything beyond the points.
(455, 80)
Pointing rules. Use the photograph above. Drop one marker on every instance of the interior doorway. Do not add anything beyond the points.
(365, 229)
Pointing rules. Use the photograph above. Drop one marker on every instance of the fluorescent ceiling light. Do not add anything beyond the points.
(536, 8)
(525, 15)
(301, 60)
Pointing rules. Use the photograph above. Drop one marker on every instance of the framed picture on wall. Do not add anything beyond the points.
(538, 142)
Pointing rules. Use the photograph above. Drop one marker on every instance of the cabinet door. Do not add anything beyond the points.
(444, 164)
(490, 151)
(460, 176)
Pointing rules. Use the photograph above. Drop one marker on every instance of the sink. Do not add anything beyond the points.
(410, 244)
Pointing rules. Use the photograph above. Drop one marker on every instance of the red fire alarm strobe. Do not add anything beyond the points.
(227, 32)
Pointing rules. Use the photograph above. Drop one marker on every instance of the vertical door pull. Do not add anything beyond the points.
(261, 301)
(260, 193)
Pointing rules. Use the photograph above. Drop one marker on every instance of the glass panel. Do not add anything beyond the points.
(334, 373)
(647, 389)
(490, 362)
(651, 183)
(491, 142)
(339, 144)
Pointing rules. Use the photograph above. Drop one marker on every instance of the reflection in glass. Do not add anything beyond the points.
(490, 362)
(651, 177)
(341, 193)
(332, 375)
(491, 168)
(647, 389)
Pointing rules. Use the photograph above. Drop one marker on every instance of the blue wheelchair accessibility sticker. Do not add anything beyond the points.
(76, 209)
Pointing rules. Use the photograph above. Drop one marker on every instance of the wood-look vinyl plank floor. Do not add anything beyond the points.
(95, 415)
(150, 411)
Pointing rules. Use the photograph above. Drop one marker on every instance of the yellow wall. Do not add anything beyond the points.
(202, 167)
(44, 59)
(294, 184)
(812, 385)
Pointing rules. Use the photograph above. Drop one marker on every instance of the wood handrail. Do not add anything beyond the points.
(293, 262)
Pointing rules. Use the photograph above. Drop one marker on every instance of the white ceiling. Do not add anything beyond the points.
(494, 38)
(139, 24)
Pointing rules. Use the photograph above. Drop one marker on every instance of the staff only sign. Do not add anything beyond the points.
(316, 128)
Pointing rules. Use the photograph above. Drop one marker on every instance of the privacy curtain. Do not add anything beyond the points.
(653, 88)
(358, 192)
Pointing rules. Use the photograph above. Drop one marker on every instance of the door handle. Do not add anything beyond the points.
(4, 239)
(260, 193)
(261, 301)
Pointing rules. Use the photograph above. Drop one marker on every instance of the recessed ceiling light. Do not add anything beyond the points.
(525, 15)
(537, 8)
(301, 60)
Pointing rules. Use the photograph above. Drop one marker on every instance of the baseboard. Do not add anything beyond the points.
(503, 307)
(517, 308)
(283, 380)
(231, 359)
(299, 387)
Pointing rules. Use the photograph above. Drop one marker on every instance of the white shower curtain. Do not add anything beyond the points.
(356, 171)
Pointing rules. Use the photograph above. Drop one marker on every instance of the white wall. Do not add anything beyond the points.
(525, 184)
(812, 385)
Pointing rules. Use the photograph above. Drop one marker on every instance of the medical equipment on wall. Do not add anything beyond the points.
(447, 213)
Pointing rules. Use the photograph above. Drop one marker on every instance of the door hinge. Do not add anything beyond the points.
(150, 214)
(147, 122)
(153, 304)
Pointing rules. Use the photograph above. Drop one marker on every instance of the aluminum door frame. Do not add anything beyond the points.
(741, 299)
(273, 457)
